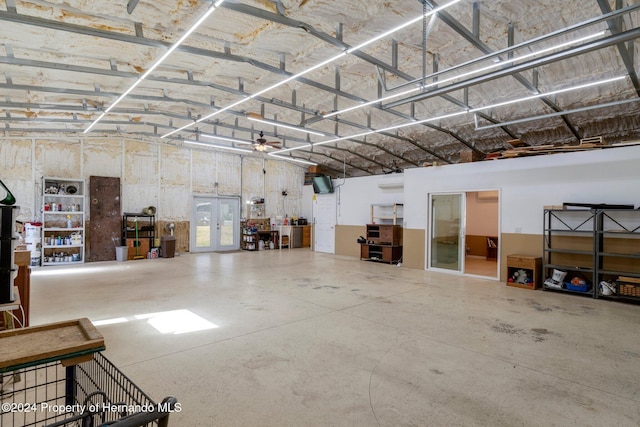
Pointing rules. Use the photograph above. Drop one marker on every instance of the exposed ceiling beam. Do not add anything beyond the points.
(545, 60)
(626, 53)
(131, 5)
(475, 41)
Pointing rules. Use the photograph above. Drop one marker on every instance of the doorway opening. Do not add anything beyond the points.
(463, 233)
(215, 224)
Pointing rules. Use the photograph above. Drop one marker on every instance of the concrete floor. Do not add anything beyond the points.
(305, 339)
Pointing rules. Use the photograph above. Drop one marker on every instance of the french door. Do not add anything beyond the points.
(447, 232)
(215, 224)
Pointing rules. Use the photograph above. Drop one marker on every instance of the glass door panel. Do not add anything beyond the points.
(446, 232)
(228, 227)
(201, 225)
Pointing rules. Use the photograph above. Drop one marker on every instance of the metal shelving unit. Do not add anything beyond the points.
(618, 252)
(598, 244)
(570, 245)
(146, 237)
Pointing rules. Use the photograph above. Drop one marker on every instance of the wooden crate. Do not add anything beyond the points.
(530, 264)
(628, 287)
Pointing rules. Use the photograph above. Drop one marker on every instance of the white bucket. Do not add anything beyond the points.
(33, 241)
(35, 258)
(32, 230)
(121, 253)
(34, 245)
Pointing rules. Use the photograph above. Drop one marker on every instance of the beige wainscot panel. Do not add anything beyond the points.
(347, 239)
(413, 249)
(17, 170)
(102, 157)
(518, 244)
(229, 174)
(204, 170)
(56, 158)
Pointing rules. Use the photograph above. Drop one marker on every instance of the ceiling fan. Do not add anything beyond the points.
(261, 144)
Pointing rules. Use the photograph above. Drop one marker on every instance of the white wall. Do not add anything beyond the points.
(526, 185)
(356, 195)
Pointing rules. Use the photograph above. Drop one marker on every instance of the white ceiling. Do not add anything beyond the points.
(65, 62)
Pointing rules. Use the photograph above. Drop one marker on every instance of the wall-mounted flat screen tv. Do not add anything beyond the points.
(322, 184)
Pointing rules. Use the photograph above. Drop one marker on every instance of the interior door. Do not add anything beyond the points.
(215, 224)
(446, 231)
(324, 207)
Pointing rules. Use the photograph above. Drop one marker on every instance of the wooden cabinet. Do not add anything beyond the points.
(383, 243)
(384, 234)
(306, 236)
(531, 267)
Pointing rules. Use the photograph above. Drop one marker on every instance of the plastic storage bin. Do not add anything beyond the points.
(167, 246)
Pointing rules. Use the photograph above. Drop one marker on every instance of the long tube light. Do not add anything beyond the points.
(454, 114)
(224, 138)
(554, 92)
(223, 147)
(159, 61)
(323, 63)
(559, 113)
(370, 132)
(531, 42)
(305, 162)
(467, 74)
(279, 124)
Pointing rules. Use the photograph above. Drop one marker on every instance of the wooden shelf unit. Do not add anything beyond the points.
(383, 243)
(530, 264)
(390, 213)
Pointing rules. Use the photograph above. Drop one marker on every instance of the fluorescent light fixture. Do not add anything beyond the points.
(558, 113)
(223, 147)
(467, 74)
(386, 98)
(278, 124)
(458, 113)
(519, 58)
(94, 123)
(315, 67)
(306, 162)
(555, 92)
(159, 61)
(201, 119)
(402, 125)
(224, 138)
